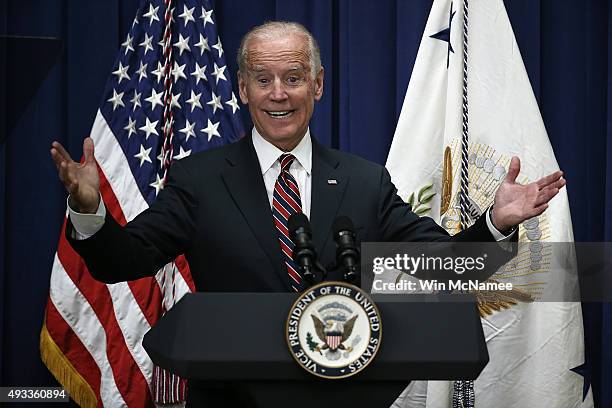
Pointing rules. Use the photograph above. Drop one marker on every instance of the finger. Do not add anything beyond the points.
(73, 183)
(67, 179)
(65, 172)
(513, 169)
(538, 210)
(559, 184)
(61, 151)
(551, 178)
(88, 150)
(545, 196)
(62, 171)
(56, 157)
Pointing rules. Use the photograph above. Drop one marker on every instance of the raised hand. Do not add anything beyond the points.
(515, 203)
(81, 180)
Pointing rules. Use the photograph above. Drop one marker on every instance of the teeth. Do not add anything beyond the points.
(278, 113)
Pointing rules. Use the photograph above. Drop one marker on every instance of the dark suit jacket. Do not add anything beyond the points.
(215, 210)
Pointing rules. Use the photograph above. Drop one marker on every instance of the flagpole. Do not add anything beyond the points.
(164, 383)
(463, 390)
(463, 193)
(168, 120)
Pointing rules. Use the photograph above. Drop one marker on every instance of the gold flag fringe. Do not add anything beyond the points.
(64, 372)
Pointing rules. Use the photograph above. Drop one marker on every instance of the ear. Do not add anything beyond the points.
(242, 84)
(318, 83)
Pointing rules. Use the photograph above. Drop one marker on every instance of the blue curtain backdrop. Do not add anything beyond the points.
(368, 50)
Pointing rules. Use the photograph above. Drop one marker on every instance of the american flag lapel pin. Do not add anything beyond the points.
(332, 182)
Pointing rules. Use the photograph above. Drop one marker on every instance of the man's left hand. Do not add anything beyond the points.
(515, 203)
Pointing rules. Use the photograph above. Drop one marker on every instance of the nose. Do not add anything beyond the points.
(278, 92)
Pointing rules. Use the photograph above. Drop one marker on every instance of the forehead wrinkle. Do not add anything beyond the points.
(257, 58)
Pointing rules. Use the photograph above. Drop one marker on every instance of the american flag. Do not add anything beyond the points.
(169, 95)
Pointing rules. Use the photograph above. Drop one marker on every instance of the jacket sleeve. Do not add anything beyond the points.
(155, 237)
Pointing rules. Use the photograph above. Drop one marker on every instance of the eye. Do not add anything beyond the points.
(294, 80)
(262, 80)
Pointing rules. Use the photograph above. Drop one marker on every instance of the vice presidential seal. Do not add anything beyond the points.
(334, 330)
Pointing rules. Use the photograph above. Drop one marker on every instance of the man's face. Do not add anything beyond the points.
(279, 89)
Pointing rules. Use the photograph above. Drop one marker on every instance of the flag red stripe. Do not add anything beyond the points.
(129, 378)
(73, 348)
(183, 267)
(110, 200)
(148, 296)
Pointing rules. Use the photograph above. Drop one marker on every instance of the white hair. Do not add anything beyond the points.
(273, 30)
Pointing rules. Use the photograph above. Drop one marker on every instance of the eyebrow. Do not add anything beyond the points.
(298, 68)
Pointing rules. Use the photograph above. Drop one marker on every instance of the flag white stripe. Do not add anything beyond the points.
(67, 299)
(112, 161)
(180, 285)
(133, 325)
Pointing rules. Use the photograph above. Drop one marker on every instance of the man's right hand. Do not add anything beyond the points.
(81, 180)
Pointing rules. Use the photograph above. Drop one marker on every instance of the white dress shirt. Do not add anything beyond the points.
(301, 168)
(85, 225)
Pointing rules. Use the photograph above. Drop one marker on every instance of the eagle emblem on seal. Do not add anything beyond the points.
(334, 327)
(333, 333)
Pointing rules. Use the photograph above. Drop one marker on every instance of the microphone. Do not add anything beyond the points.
(347, 253)
(304, 253)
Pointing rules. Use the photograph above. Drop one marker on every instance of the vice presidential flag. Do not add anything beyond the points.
(468, 109)
(169, 95)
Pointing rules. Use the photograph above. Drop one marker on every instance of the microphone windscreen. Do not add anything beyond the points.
(342, 223)
(298, 220)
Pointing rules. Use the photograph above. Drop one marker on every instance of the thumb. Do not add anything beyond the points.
(88, 150)
(513, 169)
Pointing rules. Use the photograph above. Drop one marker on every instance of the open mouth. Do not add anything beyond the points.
(280, 114)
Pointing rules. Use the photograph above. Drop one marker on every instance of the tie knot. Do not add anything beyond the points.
(285, 161)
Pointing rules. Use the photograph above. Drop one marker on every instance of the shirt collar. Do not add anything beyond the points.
(268, 154)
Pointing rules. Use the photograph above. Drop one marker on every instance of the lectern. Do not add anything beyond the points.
(237, 340)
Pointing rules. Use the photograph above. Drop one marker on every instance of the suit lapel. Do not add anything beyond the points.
(245, 183)
(329, 183)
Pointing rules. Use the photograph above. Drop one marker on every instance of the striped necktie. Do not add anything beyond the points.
(286, 202)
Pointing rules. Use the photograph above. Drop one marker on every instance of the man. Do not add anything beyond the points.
(226, 209)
